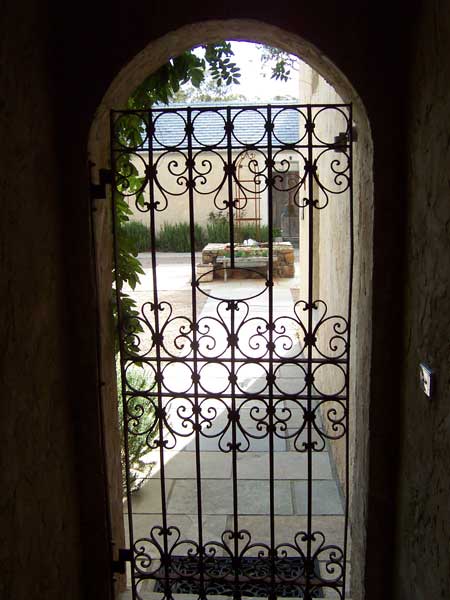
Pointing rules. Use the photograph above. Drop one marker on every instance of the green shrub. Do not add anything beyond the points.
(245, 232)
(217, 232)
(142, 429)
(176, 238)
(138, 234)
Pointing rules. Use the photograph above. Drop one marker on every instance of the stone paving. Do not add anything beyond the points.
(290, 466)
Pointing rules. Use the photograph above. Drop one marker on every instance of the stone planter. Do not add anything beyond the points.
(283, 260)
(205, 271)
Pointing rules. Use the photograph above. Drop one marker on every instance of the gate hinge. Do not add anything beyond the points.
(98, 190)
(125, 555)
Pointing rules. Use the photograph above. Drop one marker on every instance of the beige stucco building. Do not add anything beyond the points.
(212, 188)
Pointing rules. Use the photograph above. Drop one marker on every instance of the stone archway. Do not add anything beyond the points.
(147, 61)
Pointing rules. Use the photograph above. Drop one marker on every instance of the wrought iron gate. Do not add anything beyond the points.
(242, 363)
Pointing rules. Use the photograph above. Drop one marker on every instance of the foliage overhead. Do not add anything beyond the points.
(281, 62)
(208, 91)
(161, 86)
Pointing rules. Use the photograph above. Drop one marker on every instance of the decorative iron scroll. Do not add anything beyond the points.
(210, 368)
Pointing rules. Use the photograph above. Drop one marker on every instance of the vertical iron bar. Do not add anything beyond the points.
(229, 126)
(310, 327)
(232, 304)
(191, 187)
(120, 325)
(272, 594)
(349, 320)
(165, 557)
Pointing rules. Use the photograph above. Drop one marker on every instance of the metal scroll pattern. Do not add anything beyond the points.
(199, 368)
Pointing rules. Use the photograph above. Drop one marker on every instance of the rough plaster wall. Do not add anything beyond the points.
(423, 532)
(39, 512)
(89, 48)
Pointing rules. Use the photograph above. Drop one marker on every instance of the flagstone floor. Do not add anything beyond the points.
(181, 462)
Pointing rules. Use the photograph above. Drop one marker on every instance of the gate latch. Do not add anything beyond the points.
(118, 566)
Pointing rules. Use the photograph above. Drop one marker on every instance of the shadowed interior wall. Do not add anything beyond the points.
(423, 532)
(39, 502)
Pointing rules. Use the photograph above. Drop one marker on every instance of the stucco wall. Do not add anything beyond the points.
(209, 193)
(331, 281)
(423, 531)
(331, 248)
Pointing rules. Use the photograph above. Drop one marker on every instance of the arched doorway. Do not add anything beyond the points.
(149, 60)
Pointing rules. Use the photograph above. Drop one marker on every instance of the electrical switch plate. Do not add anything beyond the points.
(426, 375)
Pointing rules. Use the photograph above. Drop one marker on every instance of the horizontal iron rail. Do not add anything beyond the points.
(143, 148)
(219, 396)
(215, 108)
(241, 361)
